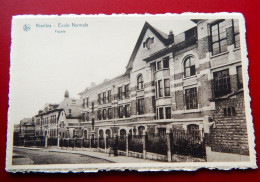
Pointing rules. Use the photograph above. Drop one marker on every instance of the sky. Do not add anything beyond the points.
(44, 63)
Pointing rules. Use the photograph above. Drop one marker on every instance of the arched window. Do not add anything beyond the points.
(108, 133)
(101, 134)
(140, 81)
(122, 133)
(189, 67)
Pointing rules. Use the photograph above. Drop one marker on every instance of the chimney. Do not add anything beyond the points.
(171, 37)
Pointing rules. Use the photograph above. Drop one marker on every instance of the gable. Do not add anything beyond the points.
(158, 39)
(150, 45)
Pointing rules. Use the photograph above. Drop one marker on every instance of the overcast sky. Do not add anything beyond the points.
(44, 63)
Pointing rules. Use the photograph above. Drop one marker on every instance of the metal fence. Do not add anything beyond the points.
(102, 143)
(188, 143)
(122, 143)
(179, 142)
(52, 141)
(135, 143)
(157, 143)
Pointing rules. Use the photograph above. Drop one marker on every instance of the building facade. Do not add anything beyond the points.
(59, 120)
(187, 82)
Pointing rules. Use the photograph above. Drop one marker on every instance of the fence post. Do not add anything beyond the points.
(90, 142)
(58, 141)
(144, 138)
(105, 143)
(169, 143)
(46, 141)
(98, 142)
(126, 145)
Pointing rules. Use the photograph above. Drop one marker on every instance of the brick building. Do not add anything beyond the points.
(191, 81)
(59, 119)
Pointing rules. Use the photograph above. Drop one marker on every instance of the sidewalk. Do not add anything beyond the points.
(118, 159)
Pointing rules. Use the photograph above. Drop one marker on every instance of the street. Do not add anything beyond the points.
(44, 156)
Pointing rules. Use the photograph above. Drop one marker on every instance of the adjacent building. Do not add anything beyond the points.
(59, 119)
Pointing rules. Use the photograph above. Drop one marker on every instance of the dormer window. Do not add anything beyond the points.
(148, 43)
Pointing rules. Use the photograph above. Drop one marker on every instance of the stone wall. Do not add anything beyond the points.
(229, 134)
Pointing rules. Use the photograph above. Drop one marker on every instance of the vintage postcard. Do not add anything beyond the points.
(138, 92)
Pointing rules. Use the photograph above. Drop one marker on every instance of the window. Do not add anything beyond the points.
(218, 37)
(87, 102)
(160, 113)
(109, 113)
(99, 115)
(239, 77)
(160, 88)
(221, 83)
(104, 114)
(159, 65)
(236, 33)
(126, 91)
(99, 98)
(109, 98)
(166, 62)
(140, 85)
(229, 111)
(83, 103)
(140, 106)
(119, 94)
(156, 91)
(191, 98)
(104, 97)
(153, 67)
(93, 107)
(127, 111)
(69, 112)
(189, 67)
(168, 112)
(87, 116)
(120, 112)
(167, 87)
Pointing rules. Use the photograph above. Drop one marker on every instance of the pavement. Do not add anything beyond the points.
(99, 155)
(21, 160)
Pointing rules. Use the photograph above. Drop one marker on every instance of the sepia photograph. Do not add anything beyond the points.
(138, 92)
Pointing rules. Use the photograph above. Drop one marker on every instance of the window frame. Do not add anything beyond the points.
(168, 115)
(219, 39)
(127, 110)
(167, 89)
(109, 96)
(120, 111)
(235, 33)
(191, 67)
(127, 92)
(140, 106)
(221, 82)
(191, 98)
(140, 82)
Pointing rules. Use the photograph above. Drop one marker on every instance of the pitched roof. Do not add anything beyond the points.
(164, 38)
